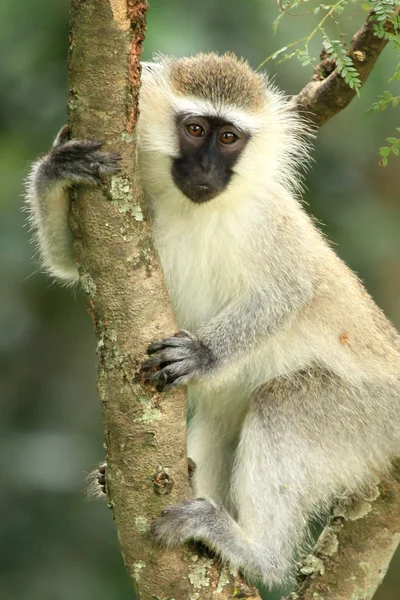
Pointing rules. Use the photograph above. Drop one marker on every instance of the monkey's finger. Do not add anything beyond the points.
(184, 333)
(164, 358)
(106, 162)
(178, 382)
(75, 148)
(167, 376)
(62, 136)
(171, 342)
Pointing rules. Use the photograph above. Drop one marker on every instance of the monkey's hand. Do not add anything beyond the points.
(78, 161)
(175, 361)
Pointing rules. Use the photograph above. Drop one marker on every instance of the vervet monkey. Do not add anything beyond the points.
(292, 372)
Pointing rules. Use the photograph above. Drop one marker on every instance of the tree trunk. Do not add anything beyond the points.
(127, 300)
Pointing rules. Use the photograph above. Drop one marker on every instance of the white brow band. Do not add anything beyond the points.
(236, 116)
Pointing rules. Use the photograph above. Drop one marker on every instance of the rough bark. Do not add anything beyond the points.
(126, 298)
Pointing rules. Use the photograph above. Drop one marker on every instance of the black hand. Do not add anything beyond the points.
(176, 360)
(79, 161)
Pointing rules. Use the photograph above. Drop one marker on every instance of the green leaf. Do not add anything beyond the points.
(384, 151)
(278, 52)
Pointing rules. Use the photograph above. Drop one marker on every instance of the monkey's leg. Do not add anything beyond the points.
(280, 475)
(298, 450)
(212, 446)
(270, 520)
(68, 162)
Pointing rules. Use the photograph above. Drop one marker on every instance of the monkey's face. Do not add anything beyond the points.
(209, 147)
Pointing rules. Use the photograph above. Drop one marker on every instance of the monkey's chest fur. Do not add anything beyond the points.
(204, 263)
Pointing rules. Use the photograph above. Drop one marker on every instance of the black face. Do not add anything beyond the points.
(208, 151)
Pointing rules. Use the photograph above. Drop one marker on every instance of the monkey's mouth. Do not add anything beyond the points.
(198, 193)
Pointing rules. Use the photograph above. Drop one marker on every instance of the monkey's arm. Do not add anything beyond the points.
(232, 332)
(47, 197)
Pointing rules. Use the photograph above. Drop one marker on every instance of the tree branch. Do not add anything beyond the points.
(328, 93)
(353, 552)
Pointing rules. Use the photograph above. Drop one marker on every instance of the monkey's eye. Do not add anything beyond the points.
(195, 130)
(228, 137)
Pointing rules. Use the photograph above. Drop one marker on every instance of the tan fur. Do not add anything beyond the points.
(225, 80)
(304, 400)
(293, 416)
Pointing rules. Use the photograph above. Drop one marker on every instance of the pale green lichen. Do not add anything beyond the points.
(358, 510)
(199, 573)
(137, 213)
(74, 100)
(222, 582)
(328, 542)
(120, 192)
(142, 524)
(144, 257)
(233, 571)
(149, 412)
(373, 494)
(137, 568)
(88, 285)
(112, 334)
(129, 138)
(121, 197)
(312, 565)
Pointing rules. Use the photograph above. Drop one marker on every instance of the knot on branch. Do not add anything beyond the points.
(163, 482)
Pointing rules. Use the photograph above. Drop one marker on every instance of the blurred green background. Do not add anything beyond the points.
(54, 544)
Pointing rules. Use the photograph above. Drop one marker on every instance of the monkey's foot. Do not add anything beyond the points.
(185, 521)
(97, 482)
(101, 477)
